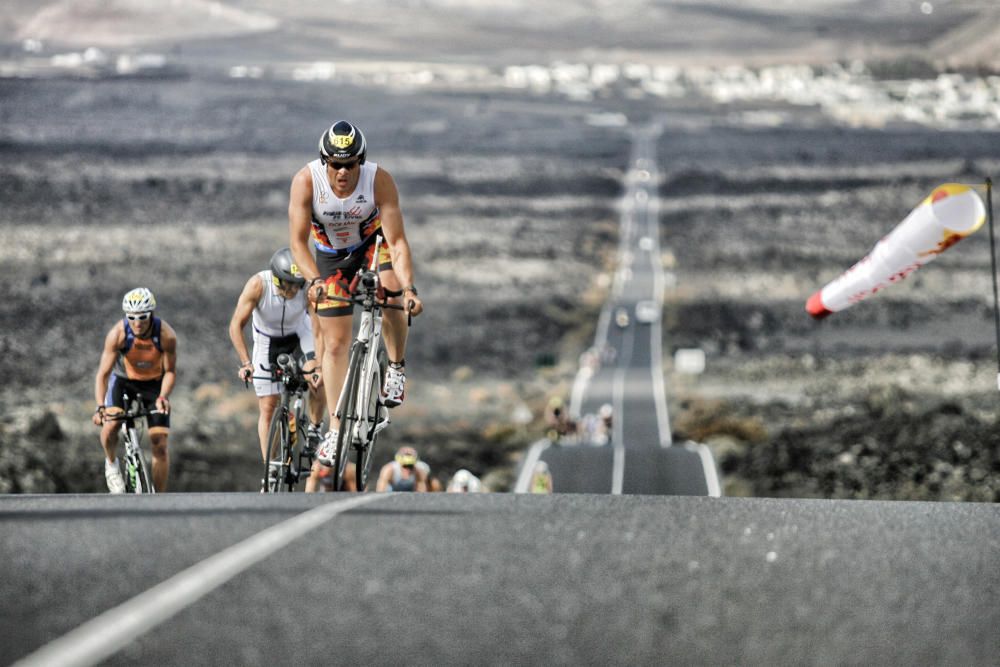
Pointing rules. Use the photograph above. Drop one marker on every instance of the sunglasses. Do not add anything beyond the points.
(337, 166)
(141, 317)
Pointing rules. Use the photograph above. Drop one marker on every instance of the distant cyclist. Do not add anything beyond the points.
(139, 358)
(343, 202)
(464, 481)
(541, 478)
(406, 472)
(273, 299)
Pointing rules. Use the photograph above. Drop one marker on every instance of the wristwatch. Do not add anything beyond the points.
(411, 288)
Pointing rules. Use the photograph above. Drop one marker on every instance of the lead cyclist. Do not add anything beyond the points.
(342, 202)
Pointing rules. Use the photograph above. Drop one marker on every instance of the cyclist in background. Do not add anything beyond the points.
(139, 358)
(464, 481)
(406, 472)
(274, 300)
(343, 202)
(321, 480)
(541, 478)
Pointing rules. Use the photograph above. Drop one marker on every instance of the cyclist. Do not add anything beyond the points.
(541, 478)
(343, 201)
(139, 358)
(406, 472)
(558, 421)
(464, 481)
(321, 479)
(274, 300)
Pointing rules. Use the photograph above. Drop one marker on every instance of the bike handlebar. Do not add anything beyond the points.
(122, 416)
(287, 371)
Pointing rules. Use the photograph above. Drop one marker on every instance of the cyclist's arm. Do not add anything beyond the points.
(422, 475)
(387, 200)
(112, 343)
(299, 226)
(384, 475)
(248, 300)
(168, 339)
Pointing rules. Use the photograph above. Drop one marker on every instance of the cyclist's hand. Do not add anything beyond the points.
(412, 303)
(245, 372)
(98, 417)
(312, 374)
(163, 405)
(317, 291)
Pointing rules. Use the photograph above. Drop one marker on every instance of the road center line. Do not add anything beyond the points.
(106, 634)
(618, 402)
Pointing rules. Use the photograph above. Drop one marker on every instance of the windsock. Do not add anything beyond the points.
(949, 214)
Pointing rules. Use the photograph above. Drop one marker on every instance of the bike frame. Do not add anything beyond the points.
(360, 424)
(289, 414)
(137, 471)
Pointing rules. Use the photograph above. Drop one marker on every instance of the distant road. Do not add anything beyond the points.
(497, 579)
(641, 456)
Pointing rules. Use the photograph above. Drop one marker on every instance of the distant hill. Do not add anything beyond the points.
(957, 33)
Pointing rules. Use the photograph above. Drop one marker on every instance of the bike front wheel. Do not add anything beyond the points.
(348, 415)
(373, 413)
(278, 459)
(136, 472)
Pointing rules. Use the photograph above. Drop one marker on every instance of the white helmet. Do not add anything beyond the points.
(139, 300)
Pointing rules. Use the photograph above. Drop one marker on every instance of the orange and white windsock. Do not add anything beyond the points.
(949, 214)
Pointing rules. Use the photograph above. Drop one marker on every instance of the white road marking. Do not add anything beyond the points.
(618, 402)
(106, 634)
(711, 473)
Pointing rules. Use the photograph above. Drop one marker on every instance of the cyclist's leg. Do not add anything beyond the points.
(317, 400)
(161, 457)
(335, 325)
(317, 404)
(393, 321)
(159, 430)
(114, 400)
(266, 405)
(264, 359)
(336, 331)
(316, 477)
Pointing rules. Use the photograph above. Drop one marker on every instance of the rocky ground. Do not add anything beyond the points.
(179, 182)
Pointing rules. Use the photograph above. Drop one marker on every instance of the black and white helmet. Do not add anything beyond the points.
(139, 300)
(283, 268)
(343, 141)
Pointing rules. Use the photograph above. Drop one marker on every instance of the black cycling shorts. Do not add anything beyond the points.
(149, 390)
(338, 271)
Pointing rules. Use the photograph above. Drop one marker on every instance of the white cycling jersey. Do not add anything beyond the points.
(276, 317)
(341, 225)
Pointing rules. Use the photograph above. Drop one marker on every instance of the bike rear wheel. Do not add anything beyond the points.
(278, 459)
(372, 408)
(348, 415)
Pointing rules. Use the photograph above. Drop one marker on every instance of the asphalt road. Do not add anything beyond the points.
(564, 579)
(625, 370)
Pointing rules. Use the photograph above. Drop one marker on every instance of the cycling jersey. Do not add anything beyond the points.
(276, 316)
(280, 325)
(340, 226)
(410, 483)
(148, 390)
(140, 358)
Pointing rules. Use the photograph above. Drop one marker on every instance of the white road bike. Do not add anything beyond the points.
(360, 410)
